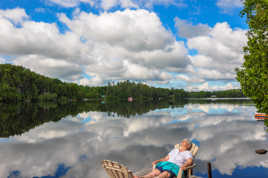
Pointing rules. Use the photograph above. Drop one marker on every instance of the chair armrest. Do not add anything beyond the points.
(189, 167)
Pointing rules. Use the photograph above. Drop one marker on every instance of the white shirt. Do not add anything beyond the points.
(179, 158)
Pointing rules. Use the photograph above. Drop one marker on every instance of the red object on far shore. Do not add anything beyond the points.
(261, 116)
(130, 99)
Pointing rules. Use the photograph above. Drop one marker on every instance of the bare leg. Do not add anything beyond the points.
(155, 172)
(164, 174)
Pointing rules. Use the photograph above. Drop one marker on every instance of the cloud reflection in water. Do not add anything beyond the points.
(227, 134)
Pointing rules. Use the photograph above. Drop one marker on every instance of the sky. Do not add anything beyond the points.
(189, 44)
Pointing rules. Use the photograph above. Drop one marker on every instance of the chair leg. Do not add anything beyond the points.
(180, 173)
(190, 173)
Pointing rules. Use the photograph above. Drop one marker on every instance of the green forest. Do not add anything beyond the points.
(18, 84)
(253, 74)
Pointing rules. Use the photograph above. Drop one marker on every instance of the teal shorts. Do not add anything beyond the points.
(172, 168)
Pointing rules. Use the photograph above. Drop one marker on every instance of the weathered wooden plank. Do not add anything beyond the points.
(116, 170)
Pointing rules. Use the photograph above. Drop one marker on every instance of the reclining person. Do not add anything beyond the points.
(169, 166)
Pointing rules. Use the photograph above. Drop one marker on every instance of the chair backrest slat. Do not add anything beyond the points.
(110, 173)
(195, 150)
(121, 175)
(115, 173)
(116, 170)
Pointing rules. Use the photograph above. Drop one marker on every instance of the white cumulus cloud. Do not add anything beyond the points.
(16, 15)
(138, 47)
(2, 60)
(219, 51)
(59, 68)
(209, 87)
(134, 30)
(38, 38)
(188, 30)
(120, 45)
(228, 5)
(71, 3)
(108, 4)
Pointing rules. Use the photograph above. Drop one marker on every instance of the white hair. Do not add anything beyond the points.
(189, 142)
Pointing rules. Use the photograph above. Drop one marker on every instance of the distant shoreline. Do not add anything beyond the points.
(244, 98)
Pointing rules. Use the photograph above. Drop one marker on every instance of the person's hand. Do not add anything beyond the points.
(183, 168)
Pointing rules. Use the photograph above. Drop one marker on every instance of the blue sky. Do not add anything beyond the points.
(193, 44)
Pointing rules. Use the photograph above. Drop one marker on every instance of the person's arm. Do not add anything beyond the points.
(189, 162)
(162, 159)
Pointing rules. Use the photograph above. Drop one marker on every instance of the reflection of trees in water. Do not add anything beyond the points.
(220, 100)
(266, 123)
(19, 118)
(136, 108)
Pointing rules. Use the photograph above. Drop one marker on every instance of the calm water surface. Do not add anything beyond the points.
(73, 147)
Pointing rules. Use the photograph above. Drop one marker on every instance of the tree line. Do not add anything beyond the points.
(18, 84)
(233, 93)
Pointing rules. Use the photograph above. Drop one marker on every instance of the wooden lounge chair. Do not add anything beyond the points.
(117, 170)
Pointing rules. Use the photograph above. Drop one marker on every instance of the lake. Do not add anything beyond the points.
(73, 144)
